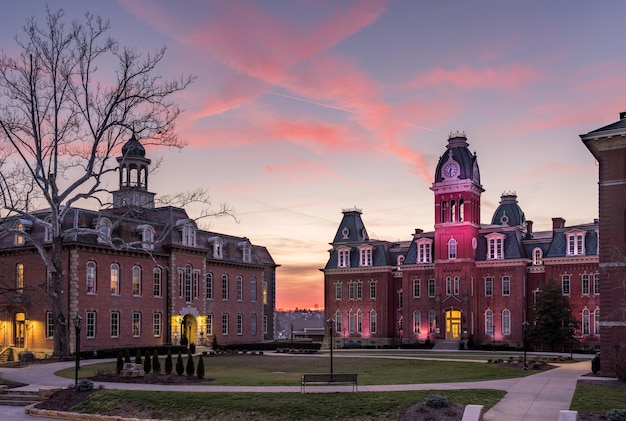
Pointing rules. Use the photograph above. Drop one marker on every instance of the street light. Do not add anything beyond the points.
(78, 321)
(525, 327)
(331, 322)
(571, 336)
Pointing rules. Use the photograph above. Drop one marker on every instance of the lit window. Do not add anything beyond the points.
(90, 324)
(586, 322)
(209, 286)
(488, 286)
(264, 292)
(417, 321)
(115, 324)
(19, 236)
(224, 324)
(372, 321)
(239, 288)
(565, 284)
(136, 281)
(489, 322)
(224, 287)
(585, 284)
(537, 256)
(344, 258)
(452, 248)
(432, 321)
(136, 325)
(91, 277)
(495, 246)
(338, 290)
(115, 279)
(506, 322)
(506, 285)
(575, 243)
(416, 288)
(156, 282)
(156, 325)
(431, 288)
(19, 278)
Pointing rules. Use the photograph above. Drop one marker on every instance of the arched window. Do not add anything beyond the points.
(596, 321)
(359, 321)
(156, 282)
(19, 278)
(448, 285)
(372, 321)
(224, 287)
(452, 211)
(506, 322)
(452, 248)
(432, 321)
(444, 211)
(209, 286)
(104, 230)
(537, 256)
(586, 322)
(456, 286)
(147, 237)
(115, 279)
(91, 277)
(188, 272)
(338, 321)
(136, 280)
(461, 211)
(489, 322)
(417, 321)
(351, 322)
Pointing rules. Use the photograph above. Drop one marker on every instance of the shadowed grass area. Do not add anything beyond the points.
(279, 406)
(598, 398)
(249, 370)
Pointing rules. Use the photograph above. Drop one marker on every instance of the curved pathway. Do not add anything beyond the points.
(539, 396)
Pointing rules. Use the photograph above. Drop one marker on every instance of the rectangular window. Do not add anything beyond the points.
(224, 324)
(351, 291)
(136, 324)
(90, 324)
(156, 325)
(575, 244)
(586, 322)
(372, 322)
(239, 324)
(423, 253)
(338, 321)
(196, 284)
(372, 290)
(359, 321)
(366, 257)
(136, 281)
(91, 278)
(115, 279)
(596, 322)
(253, 324)
(351, 322)
(417, 321)
(456, 286)
(585, 284)
(338, 288)
(488, 286)
(253, 289)
(344, 258)
(188, 284)
(448, 286)
(565, 285)
(416, 288)
(239, 288)
(224, 287)
(264, 324)
(181, 282)
(115, 324)
(359, 290)
(209, 324)
(489, 322)
(156, 282)
(49, 325)
(596, 284)
(209, 286)
(506, 285)
(506, 322)
(264, 292)
(431, 288)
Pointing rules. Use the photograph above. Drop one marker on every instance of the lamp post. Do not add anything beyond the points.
(331, 322)
(525, 327)
(78, 321)
(571, 336)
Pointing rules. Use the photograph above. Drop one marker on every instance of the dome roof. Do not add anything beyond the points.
(457, 150)
(508, 213)
(133, 148)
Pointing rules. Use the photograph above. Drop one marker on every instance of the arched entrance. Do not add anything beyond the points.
(189, 327)
(19, 330)
(453, 324)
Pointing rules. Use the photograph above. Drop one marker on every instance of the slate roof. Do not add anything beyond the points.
(457, 148)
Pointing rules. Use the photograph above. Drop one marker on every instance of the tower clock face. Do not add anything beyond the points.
(450, 170)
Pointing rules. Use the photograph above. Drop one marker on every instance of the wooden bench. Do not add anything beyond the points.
(328, 379)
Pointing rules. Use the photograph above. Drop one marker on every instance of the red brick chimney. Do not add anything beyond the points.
(558, 222)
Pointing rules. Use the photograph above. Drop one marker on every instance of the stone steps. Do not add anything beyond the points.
(447, 345)
(10, 397)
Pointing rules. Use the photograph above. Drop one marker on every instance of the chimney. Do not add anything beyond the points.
(622, 115)
(418, 231)
(557, 223)
(529, 229)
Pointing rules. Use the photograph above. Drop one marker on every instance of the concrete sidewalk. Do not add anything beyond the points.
(537, 397)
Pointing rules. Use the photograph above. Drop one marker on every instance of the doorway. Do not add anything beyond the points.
(453, 325)
(189, 328)
(19, 330)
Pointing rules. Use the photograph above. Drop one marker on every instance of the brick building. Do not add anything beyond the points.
(150, 277)
(464, 280)
(608, 146)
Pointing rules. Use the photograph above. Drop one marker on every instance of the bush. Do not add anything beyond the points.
(184, 341)
(616, 415)
(595, 364)
(200, 370)
(437, 401)
(83, 385)
(180, 367)
(156, 364)
(127, 356)
(11, 356)
(168, 363)
(138, 358)
(214, 344)
(120, 363)
(190, 365)
(147, 363)
(192, 348)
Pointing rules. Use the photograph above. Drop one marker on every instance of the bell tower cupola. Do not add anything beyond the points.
(133, 181)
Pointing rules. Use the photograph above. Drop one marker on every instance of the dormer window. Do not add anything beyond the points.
(575, 243)
(244, 246)
(400, 260)
(343, 255)
(537, 256)
(424, 248)
(188, 232)
(21, 226)
(365, 253)
(104, 230)
(47, 236)
(495, 246)
(217, 247)
(147, 236)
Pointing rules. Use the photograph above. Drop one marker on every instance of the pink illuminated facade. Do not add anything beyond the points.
(466, 280)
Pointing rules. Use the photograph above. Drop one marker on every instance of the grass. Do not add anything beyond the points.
(249, 370)
(598, 399)
(280, 406)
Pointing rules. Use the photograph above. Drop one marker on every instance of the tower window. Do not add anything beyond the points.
(452, 248)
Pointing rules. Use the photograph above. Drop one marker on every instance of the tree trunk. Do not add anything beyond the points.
(58, 295)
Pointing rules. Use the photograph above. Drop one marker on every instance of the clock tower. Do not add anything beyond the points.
(457, 191)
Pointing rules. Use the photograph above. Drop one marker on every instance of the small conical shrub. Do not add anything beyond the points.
(147, 362)
(127, 356)
(190, 365)
(120, 362)
(168, 363)
(138, 357)
(180, 367)
(200, 369)
(156, 364)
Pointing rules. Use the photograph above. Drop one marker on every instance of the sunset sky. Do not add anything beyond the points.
(304, 107)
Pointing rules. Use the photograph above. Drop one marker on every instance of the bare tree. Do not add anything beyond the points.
(68, 101)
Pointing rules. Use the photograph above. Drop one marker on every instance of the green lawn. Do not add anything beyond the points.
(279, 406)
(598, 399)
(257, 370)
